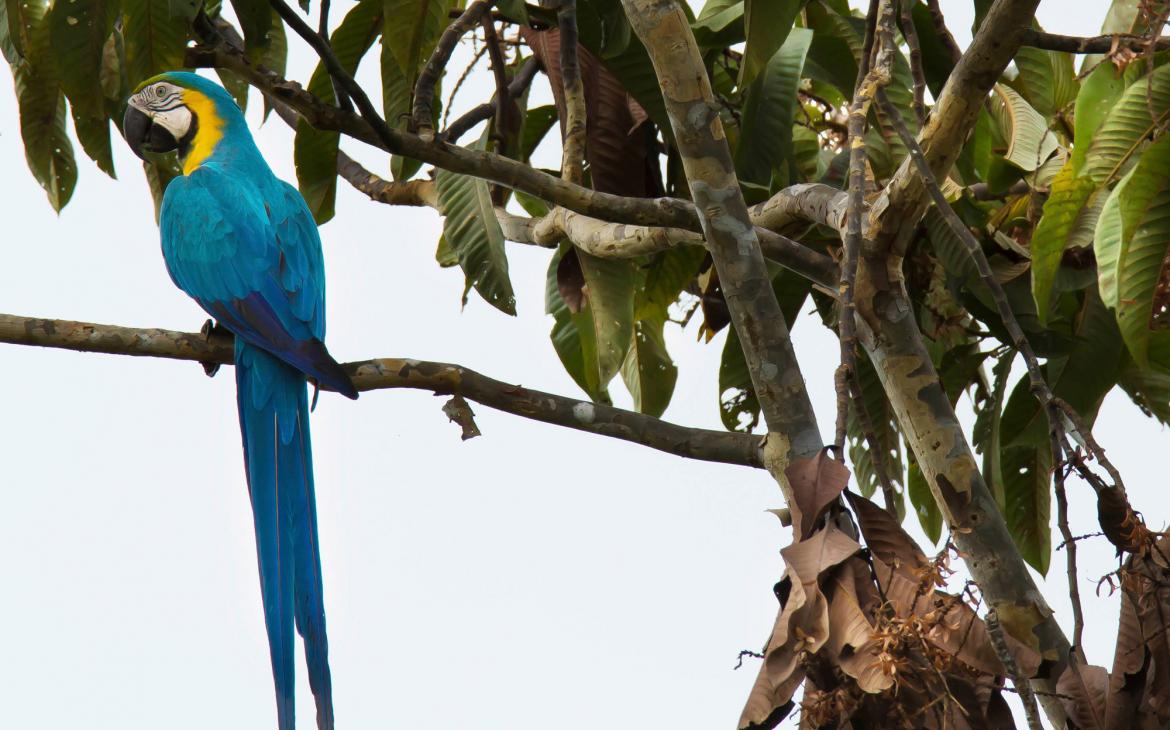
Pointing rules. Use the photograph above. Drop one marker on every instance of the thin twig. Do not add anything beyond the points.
(323, 31)
(504, 107)
(1023, 687)
(475, 59)
(942, 31)
(424, 88)
(573, 151)
(1074, 589)
(910, 33)
(516, 88)
(383, 373)
(1095, 44)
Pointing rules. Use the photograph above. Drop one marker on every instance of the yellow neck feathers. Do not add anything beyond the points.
(207, 134)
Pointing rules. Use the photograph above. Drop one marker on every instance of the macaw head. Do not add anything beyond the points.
(180, 111)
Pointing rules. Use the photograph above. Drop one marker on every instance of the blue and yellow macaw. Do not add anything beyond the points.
(243, 244)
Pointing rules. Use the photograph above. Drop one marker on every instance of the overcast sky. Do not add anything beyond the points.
(530, 575)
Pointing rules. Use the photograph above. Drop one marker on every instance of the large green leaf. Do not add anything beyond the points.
(255, 18)
(315, 150)
(1065, 206)
(472, 231)
(1098, 93)
(1030, 142)
(765, 140)
(885, 430)
(11, 43)
(47, 148)
(739, 408)
(766, 24)
(1140, 110)
(156, 38)
(648, 371)
(1149, 390)
(572, 332)
(1046, 79)
(922, 499)
(720, 23)
(1028, 496)
(986, 434)
(1131, 244)
(412, 28)
(609, 292)
(78, 29)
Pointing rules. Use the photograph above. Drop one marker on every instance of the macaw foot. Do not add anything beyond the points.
(211, 330)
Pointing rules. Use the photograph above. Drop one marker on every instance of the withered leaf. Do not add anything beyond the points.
(816, 483)
(883, 535)
(1083, 689)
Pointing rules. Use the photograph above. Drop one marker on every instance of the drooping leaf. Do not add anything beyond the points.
(412, 28)
(986, 434)
(156, 38)
(884, 536)
(1030, 142)
(472, 231)
(42, 106)
(1069, 195)
(769, 106)
(767, 24)
(720, 23)
(314, 150)
(572, 332)
(922, 499)
(78, 30)
(739, 408)
(1047, 80)
(11, 43)
(1028, 496)
(275, 57)
(648, 371)
(609, 290)
(1149, 390)
(816, 483)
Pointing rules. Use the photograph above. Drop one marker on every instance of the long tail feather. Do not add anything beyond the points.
(274, 421)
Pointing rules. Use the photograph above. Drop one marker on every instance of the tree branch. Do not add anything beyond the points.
(424, 89)
(573, 152)
(384, 373)
(1096, 44)
(487, 110)
(663, 28)
(897, 211)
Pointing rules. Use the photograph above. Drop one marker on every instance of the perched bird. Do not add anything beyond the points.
(243, 244)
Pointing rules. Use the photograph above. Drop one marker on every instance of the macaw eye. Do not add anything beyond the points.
(160, 89)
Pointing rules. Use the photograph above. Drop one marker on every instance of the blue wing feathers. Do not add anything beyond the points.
(245, 247)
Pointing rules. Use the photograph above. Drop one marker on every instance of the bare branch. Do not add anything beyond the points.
(424, 88)
(573, 152)
(1096, 44)
(487, 110)
(999, 643)
(943, 32)
(385, 373)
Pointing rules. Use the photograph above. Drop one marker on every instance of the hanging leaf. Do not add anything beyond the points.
(472, 231)
(1028, 496)
(922, 499)
(1067, 200)
(256, 20)
(648, 371)
(572, 332)
(986, 434)
(1046, 80)
(315, 150)
(156, 39)
(11, 43)
(1131, 246)
(768, 111)
(47, 148)
(412, 28)
(739, 409)
(767, 24)
(1098, 93)
(609, 291)
(275, 58)
(1030, 142)
(78, 30)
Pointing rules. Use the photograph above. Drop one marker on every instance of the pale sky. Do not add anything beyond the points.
(529, 575)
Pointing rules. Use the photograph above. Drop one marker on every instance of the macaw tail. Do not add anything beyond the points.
(274, 421)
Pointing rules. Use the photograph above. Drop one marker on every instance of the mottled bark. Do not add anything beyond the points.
(663, 28)
(386, 373)
(896, 213)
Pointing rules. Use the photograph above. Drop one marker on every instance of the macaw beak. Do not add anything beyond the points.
(143, 135)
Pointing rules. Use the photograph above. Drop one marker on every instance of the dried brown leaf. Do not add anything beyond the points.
(884, 536)
(1084, 689)
(850, 633)
(816, 483)
(1127, 681)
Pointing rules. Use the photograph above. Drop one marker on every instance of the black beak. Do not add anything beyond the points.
(143, 135)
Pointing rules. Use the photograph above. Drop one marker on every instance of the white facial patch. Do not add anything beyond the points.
(163, 103)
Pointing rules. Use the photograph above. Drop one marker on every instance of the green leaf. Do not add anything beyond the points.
(1099, 92)
(235, 86)
(572, 333)
(1150, 391)
(1069, 196)
(256, 20)
(1028, 497)
(986, 434)
(412, 28)
(537, 122)
(1046, 79)
(156, 40)
(78, 30)
(275, 58)
(921, 498)
(739, 409)
(11, 43)
(315, 150)
(648, 371)
(720, 23)
(1131, 245)
(1140, 110)
(1030, 142)
(766, 24)
(160, 170)
(885, 430)
(609, 291)
(472, 231)
(765, 141)
(47, 148)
